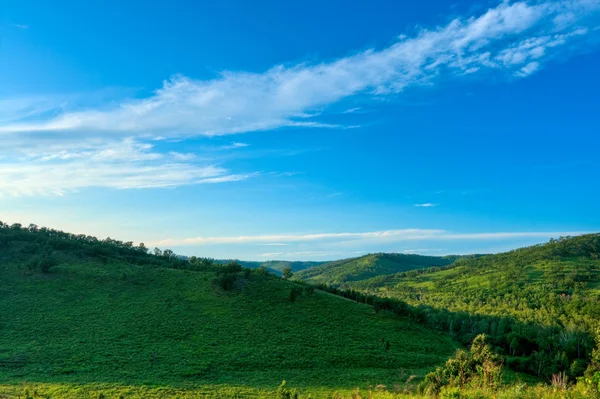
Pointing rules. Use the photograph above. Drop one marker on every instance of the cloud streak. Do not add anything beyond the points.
(119, 165)
(516, 39)
(373, 236)
(512, 39)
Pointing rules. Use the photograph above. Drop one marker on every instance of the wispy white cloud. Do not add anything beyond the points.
(420, 251)
(118, 165)
(351, 110)
(21, 26)
(515, 38)
(528, 69)
(426, 205)
(373, 236)
(234, 145)
(301, 254)
(181, 156)
(512, 39)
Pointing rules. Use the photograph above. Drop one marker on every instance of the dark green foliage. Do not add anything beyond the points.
(226, 281)
(37, 248)
(228, 274)
(295, 293)
(47, 262)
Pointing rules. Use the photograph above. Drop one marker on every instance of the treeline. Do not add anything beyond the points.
(531, 348)
(41, 248)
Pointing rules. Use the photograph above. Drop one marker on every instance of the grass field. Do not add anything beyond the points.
(88, 323)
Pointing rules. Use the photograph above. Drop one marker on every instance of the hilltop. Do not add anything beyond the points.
(365, 267)
(77, 310)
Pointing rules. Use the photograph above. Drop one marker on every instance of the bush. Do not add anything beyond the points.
(295, 293)
(226, 281)
(285, 393)
(479, 367)
(46, 263)
(262, 271)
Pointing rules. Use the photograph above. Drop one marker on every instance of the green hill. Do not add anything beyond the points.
(365, 267)
(277, 266)
(539, 305)
(76, 311)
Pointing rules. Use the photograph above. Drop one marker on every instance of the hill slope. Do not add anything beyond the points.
(107, 312)
(539, 305)
(368, 266)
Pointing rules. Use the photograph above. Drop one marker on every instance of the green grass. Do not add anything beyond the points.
(106, 391)
(125, 325)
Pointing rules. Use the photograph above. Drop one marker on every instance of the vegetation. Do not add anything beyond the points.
(478, 368)
(111, 318)
(355, 269)
(82, 317)
(537, 305)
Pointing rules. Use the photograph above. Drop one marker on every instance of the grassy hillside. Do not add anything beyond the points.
(74, 310)
(539, 305)
(369, 266)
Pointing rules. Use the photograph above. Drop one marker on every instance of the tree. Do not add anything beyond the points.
(295, 293)
(262, 271)
(287, 272)
(142, 248)
(480, 366)
(594, 366)
(46, 263)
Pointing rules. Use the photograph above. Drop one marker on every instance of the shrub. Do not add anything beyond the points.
(478, 367)
(285, 393)
(295, 293)
(226, 281)
(46, 263)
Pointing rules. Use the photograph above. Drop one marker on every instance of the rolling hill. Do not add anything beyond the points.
(539, 305)
(76, 311)
(365, 267)
(276, 266)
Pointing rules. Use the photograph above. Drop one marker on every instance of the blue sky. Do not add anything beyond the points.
(268, 130)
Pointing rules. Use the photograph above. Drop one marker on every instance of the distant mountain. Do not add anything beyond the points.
(275, 266)
(365, 267)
